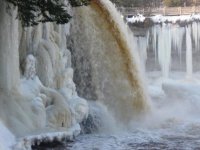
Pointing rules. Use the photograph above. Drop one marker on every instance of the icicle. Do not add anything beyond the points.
(189, 65)
(164, 50)
(177, 40)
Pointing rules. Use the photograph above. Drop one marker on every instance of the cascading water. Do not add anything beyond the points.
(106, 64)
(107, 69)
(170, 54)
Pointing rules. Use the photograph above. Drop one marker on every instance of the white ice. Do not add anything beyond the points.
(7, 139)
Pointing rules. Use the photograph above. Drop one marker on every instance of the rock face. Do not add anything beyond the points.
(36, 79)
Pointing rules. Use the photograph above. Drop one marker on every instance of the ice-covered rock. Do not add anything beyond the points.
(57, 109)
(80, 108)
(99, 119)
(66, 84)
(34, 139)
(30, 70)
(38, 107)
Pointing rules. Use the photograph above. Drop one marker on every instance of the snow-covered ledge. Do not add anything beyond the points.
(157, 19)
(25, 143)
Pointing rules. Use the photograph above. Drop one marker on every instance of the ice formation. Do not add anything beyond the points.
(169, 47)
(37, 91)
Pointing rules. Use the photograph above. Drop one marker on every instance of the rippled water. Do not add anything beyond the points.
(172, 124)
(138, 140)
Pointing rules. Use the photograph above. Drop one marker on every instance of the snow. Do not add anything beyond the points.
(136, 19)
(25, 143)
(7, 139)
(164, 19)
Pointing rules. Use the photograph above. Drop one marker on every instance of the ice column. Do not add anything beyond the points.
(189, 65)
(9, 55)
(164, 49)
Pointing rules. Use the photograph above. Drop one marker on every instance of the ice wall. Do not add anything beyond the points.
(9, 72)
(46, 69)
(37, 92)
(105, 61)
(170, 47)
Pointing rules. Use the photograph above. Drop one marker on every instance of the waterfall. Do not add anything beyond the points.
(106, 65)
(141, 44)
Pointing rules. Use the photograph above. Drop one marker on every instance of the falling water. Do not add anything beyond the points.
(171, 51)
(106, 65)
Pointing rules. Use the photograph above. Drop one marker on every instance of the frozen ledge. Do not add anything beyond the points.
(164, 19)
(25, 143)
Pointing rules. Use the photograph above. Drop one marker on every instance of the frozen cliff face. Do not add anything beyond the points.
(48, 69)
(7, 139)
(9, 58)
(37, 91)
